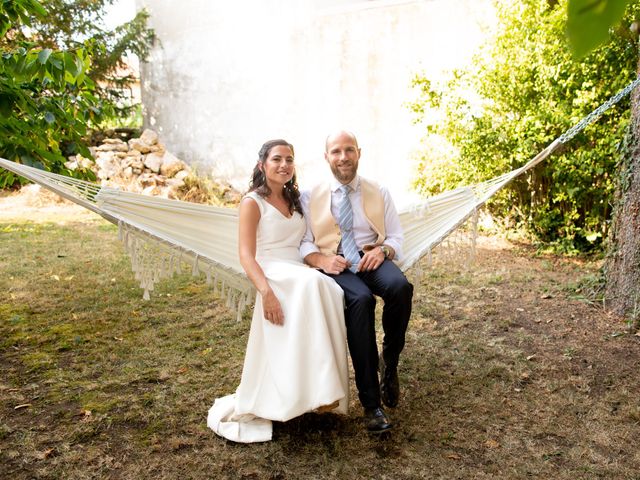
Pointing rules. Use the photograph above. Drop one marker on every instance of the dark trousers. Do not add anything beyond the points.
(389, 283)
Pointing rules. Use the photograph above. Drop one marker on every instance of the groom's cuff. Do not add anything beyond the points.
(307, 248)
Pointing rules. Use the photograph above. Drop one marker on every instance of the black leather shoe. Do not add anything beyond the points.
(389, 385)
(376, 420)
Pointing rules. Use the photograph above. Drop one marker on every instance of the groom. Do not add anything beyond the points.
(353, 234)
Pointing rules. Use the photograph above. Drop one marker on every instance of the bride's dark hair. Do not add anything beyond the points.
(258, 182)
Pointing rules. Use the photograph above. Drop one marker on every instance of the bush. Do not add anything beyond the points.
(58, 81)
(521, 92)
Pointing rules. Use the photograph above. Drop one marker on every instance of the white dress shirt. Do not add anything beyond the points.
(362, 231)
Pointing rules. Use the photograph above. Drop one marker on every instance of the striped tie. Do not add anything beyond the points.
(345, 220)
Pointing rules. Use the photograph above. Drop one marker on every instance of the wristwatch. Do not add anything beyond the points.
(385, 251)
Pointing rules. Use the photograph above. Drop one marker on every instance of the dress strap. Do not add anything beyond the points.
(258, 199)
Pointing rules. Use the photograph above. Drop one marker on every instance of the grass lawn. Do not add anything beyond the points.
(508, 372)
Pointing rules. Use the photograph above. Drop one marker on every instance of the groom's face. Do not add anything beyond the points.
(343, 154)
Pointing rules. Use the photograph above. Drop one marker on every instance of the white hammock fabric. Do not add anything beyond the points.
(160, 234)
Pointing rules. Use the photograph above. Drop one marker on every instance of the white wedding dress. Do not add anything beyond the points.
(293, 368)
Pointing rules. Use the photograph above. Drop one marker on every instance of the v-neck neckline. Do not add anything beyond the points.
(278, 210)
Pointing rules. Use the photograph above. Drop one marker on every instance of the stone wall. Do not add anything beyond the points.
(141, 165)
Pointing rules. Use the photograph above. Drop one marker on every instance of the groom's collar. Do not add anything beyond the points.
(354, 184)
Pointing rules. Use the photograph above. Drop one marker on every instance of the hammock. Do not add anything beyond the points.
(160, 235)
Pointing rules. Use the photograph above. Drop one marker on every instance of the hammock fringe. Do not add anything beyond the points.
(153, 261)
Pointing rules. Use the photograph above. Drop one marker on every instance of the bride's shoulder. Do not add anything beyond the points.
(253, 197)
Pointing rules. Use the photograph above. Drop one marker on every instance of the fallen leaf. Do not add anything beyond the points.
(491, 444)
(520, 309)
(56, 278)
(45, 454)
(454, 456)
(182, 370)
(531, 357)
(206, 351)
(20, 407)
(546, 295)
(550, 320)
(70, 277)
(118, 339)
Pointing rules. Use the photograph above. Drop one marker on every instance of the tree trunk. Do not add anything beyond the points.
(622, 267)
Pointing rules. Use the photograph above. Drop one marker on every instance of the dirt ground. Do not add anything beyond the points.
(510, 371)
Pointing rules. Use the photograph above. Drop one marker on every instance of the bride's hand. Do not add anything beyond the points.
(271, 308)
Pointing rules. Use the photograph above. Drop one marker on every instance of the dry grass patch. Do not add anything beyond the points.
(507, 373)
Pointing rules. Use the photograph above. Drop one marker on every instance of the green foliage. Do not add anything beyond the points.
(59, 80)
(588, 22)
(72, 24)
(522, 91)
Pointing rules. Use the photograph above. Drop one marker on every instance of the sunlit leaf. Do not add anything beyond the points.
(44, 55)
(589, 21)
(56, 63)
(38, 8)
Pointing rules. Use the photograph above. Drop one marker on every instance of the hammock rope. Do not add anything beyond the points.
(160, 234)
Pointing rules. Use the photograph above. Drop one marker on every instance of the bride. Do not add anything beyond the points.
(296, 359)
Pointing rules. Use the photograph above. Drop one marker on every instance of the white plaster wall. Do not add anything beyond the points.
(226, 76)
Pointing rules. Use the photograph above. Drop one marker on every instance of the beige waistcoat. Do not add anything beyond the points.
(325, 228)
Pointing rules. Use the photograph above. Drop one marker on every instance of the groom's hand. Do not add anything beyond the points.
(371, 260)
(334, 264)
(331, 264)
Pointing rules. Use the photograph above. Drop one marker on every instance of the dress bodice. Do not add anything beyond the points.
(278, 236)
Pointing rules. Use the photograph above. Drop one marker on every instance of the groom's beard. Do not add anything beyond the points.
(345, 172)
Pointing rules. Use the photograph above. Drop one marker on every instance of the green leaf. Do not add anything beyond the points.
(38, 8)
(69, 63)
(589, 21)
(44, 55)
(80, 66)
(7, 180)
(4, 26)
(28, 160)
(592, 237)
(56, 63)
